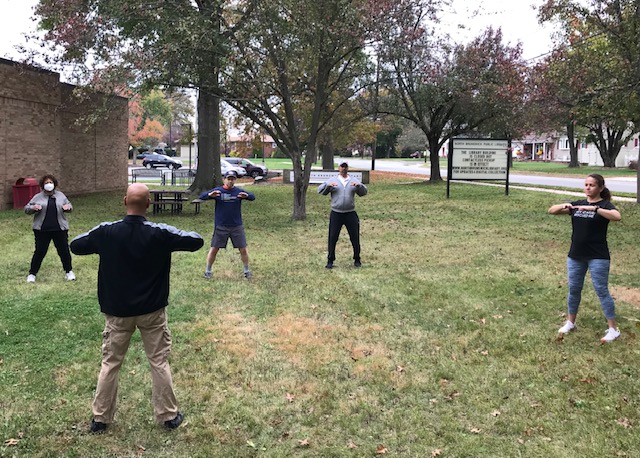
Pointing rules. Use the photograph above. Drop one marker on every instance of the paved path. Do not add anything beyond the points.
(627, 184)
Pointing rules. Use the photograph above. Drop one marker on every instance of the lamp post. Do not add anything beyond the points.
(190, 142)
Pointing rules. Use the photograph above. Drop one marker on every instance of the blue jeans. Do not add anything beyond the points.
(599, 269)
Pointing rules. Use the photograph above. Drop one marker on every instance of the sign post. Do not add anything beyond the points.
(478, 159)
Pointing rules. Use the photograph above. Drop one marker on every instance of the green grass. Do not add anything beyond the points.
(444, 340)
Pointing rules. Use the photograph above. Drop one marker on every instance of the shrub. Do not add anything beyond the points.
(633, 165)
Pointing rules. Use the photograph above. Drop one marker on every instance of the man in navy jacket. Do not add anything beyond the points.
(228, 221)
(133, 292)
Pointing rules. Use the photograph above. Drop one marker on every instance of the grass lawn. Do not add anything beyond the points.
(442, 345)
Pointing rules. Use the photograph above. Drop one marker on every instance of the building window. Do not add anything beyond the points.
(635, 142)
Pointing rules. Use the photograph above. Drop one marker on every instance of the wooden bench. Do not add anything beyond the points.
(197, 203)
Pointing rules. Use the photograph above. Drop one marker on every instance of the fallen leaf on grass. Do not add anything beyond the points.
(351, 444)
(495, 413)
(140, 450)
(588, 380)
(304, 443)
(475, 430)
(10, 442)
(624, 422)
(399, 369)
(381, 450)
(484, 353)
(436, 452)
(289, 397)
(452, 396)
(520, 441)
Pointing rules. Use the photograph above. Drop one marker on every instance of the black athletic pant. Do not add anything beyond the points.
(352, 222)
(43, 239)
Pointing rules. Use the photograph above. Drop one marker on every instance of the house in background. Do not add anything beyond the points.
(249, 146)
(555, 148)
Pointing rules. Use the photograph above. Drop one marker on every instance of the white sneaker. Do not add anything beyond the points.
(567, 328)
(611, 335)
(31, 278)
(70, 276)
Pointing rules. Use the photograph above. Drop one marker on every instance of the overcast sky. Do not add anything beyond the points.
(516, 18)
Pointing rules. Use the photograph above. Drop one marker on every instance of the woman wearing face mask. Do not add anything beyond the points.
(50, 223)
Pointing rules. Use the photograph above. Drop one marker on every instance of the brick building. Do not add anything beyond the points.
(39, 134)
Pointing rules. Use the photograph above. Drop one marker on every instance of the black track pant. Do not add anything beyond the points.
(352, 222)
(43, 239)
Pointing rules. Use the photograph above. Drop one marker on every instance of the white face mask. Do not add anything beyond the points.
(48, 187)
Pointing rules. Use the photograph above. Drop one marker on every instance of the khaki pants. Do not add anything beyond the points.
(157, 345)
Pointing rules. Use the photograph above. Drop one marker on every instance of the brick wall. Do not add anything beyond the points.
(44, 129)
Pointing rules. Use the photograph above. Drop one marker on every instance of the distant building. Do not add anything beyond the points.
(555, 148)
(249, 145)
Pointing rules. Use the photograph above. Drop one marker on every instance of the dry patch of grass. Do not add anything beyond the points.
(628, 295)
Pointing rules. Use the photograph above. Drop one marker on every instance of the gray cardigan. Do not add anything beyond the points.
(342, 196)
(43, 199)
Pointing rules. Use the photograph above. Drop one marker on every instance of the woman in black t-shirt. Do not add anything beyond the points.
(589, 250)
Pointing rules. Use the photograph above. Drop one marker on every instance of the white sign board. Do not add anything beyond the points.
(320, 176)
(479, 159)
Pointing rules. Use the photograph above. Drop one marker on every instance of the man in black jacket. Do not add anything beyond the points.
(133, 292)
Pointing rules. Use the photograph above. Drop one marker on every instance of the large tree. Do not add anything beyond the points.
(293, 67)
(600, 41)
(139, 44)
(447, 90)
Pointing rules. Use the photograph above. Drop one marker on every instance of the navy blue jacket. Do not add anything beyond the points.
(135, 262)
(228, 205)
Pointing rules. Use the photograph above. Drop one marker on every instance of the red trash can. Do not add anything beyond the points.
(24, 190)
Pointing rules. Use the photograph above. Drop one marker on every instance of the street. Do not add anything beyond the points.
(624, 184)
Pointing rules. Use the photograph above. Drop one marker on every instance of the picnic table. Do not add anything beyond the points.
(168, 200)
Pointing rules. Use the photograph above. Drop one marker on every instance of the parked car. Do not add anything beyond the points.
(225, 165)
(415, 155)
(143, 154)
(171, 152)
(160, 160)
(253, 170)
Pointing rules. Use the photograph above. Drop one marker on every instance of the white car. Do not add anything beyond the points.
(225, 166)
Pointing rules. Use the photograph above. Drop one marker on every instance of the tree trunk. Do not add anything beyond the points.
(573, 145)
(327, 155)
(434, 149)
(208, 172)
(299, 188)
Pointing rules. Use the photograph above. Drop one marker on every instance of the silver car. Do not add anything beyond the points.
(225, 166)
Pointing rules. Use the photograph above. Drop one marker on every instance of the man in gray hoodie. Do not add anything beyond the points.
(343, 189)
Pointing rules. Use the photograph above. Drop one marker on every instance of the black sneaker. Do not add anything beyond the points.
(329, 265)
(173, 424)
(97, 426)
(357, 264)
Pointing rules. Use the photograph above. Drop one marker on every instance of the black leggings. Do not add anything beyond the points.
(352, 222)
(43, 239)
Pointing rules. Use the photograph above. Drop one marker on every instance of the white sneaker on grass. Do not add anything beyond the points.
(208, 274)
(70, 276)
(31, 278)
(567, 328)
(611, 335)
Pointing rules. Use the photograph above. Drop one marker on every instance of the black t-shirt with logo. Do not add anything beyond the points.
(589, 237)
